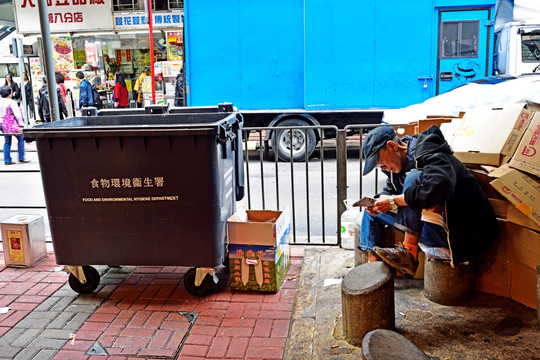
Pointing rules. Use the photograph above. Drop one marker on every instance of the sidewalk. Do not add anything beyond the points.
(139, 312)
(146, 313)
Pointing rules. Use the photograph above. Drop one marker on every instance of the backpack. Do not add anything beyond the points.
(97, 99)
(10, 125)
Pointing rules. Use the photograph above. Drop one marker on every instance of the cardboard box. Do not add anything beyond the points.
(490, 135)
(259, 254)
(509, 267)
(527, 155)
(505, 210)
(415, 127)
(521, 190)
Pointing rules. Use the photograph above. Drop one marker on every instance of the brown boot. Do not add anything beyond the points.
(398, 258)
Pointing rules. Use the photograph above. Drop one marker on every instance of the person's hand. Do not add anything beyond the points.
(115, 105)
(371, 211)
(382, 204)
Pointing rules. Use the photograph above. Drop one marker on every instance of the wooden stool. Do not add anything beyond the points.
(367, 298)
(389, 345)
(446, 285)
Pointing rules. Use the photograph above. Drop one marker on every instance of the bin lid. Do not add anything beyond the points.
(135, 125)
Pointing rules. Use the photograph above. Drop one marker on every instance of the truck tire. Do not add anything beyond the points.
(281, 141)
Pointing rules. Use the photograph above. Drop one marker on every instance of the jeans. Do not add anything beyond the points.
(405, 220)
(7, 147)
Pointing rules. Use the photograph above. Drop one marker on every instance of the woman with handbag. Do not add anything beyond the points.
(120, 93)
(12, 123)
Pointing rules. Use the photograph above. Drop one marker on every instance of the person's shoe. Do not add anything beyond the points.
(24, 161)
(9, 163)
(398, 258)
(372, 258)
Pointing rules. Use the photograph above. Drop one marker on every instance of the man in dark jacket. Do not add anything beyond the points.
(44, 106)
(435, 200)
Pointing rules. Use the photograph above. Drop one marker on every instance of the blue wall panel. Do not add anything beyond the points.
(257, 54)
(339, 54)
(405, 36)
(313, 54)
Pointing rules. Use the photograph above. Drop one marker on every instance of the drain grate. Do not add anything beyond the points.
(97, 350)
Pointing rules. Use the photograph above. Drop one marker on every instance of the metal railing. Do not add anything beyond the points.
(315, 188)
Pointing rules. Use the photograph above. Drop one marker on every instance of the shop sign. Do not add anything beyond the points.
(91, 53)
(175, 45)
(64, 15)
(63, 54)
(139, 20)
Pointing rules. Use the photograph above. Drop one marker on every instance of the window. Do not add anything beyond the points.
(459, 39)
(530, 47)
(138, 5)
(12, 69)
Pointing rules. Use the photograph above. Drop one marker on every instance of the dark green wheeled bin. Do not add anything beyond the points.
(141, 189)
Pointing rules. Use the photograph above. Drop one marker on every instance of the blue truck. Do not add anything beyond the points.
(310, 62)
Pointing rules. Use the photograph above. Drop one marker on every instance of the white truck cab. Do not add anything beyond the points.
(517, 37)
(517, 49)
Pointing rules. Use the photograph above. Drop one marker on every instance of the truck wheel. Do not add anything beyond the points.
(282, 141)
(92, 281)
(204, 289)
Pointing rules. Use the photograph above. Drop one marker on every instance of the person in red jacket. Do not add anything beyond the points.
(120, 96)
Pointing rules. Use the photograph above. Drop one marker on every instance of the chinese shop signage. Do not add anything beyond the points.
(64, 15)
(138, 20)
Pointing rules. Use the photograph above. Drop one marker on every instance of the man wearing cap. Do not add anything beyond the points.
(430, 196)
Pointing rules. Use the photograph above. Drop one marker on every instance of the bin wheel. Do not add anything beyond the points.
(204, 289)
(92, 281)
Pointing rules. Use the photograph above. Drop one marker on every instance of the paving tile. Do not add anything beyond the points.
(44, 354)
(264, 353)
(235, 331)
(9, 351)
(263, 327)
(176, 339)
(46, 343)
(237, 348)
(14, 317)
(155, 319)
(11, 336)
(158, 353)
(280, 328)
(131, 342)
(160, 339)
(70, 355)
(197, 339)
(26, 354)
(26, 337)
(194, 350)
(138, 332)
(218, 348)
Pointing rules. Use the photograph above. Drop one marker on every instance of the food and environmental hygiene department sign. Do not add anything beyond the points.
(68, 16)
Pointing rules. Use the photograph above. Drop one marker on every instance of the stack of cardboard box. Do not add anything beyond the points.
(501, 147)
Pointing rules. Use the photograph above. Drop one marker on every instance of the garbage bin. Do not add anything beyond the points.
(141, 189)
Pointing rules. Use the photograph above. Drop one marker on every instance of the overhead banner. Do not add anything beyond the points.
(138, 20)
(64, 15)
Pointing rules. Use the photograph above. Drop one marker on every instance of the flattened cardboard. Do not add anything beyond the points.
(489, 135)
(505, 210)
(521, 189)
(527, 155)
(508, 268)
